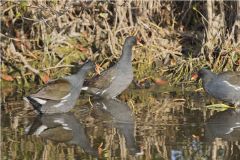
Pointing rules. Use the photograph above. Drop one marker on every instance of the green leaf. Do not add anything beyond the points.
(103, 15)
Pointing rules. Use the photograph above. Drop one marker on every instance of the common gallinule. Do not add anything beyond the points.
(61, 127)
(111, 82)
(59, 95)
(224, 86)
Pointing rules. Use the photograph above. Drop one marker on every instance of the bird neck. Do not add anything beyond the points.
(126, 55)
(208, 77)
(78, 77)
(81, 72)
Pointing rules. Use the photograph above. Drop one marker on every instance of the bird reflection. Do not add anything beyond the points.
(72, 131)
(121, 118)
(110, 113)
(225, 125)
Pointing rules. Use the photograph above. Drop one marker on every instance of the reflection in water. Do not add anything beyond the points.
(61, 128)
(122, 119)
(68, 129)
(222, 131)
(225, 125)
(166, 124)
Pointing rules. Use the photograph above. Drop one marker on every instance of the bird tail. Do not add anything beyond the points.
(36, 106)
(33, 127)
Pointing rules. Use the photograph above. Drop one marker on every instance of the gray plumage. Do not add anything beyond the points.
(116, 79)
(60, 95)
(224, 86)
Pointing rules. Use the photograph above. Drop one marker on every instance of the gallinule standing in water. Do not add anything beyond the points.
(224, 86)
(59, 95)
(116, 79)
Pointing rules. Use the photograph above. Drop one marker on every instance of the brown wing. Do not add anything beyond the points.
(231, 77)
(54, 90)
(103, 80)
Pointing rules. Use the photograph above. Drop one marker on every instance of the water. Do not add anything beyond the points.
(158, 123)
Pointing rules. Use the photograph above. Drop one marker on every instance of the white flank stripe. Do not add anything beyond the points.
(41, 101)
(69, 94)
(60, 103)
(40, 130)
(98, 92)
(84, 88)
(61, 121)
(233, 86)
(104, 106)
(67, 128)
(231, 129)
(103, 91)
(65, 124)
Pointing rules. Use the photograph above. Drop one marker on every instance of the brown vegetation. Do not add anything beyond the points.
(43, 38)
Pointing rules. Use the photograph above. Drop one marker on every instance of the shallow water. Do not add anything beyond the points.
(156, 123)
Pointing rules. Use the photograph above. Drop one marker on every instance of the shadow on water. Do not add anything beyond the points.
(145, 124)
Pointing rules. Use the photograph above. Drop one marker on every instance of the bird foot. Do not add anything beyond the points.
(219, 107)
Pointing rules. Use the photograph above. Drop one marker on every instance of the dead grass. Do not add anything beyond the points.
(42, 38)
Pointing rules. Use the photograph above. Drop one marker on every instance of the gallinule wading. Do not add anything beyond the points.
(116, 79)
(224, 86)
(59, 95)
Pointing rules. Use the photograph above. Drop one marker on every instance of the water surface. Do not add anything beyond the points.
(156, 123)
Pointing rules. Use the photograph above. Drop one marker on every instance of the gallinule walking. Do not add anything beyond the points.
(59, 95)
(224, 86)
(116, 79)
